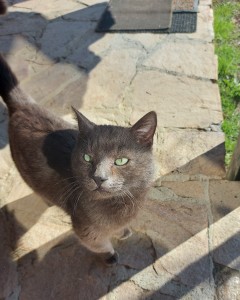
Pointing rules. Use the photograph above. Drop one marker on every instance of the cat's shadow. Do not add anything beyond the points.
(66, 38)
(62, 261)
(76, 273)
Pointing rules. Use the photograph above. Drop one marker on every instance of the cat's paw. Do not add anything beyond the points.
(126, 234)
(112, 260)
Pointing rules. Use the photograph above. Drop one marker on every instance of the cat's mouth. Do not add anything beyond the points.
(102, 193)
(102, 190)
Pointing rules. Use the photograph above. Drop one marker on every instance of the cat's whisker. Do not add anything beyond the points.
(65, 199)
(66, 191)
(63, 192)
(66, 188)
(130, 194)
(130, 197)
(121, 198)
(76, 202)
(125, 194)
(70, 193)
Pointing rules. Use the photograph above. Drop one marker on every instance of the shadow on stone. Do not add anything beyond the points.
(60, 43)
(61, 53)
(224, 197)
(192, 268)
(12, 2)
(23, 214)
(210, 163)
(15, 220)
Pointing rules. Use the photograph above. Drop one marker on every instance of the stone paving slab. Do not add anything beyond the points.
(175, 147)
(180, 102)
(195, 59)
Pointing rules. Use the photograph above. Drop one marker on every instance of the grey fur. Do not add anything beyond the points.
(100, 197)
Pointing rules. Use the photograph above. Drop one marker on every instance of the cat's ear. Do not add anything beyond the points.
(145, 128)
(84, 124)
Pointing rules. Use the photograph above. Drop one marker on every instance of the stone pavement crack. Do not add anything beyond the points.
(174, 73)
(174, 276)
(154, 269)
(136, 284)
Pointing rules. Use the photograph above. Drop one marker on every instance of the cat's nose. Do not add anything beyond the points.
(99, 180)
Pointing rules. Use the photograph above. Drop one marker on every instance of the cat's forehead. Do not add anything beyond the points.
(105, 139)
(109, 136)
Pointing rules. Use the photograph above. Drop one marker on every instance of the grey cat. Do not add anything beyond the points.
(99, 174)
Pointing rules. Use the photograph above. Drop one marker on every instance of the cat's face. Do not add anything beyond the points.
(114, 161)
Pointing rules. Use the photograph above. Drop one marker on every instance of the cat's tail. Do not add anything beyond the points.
(3, 7)
(10, 92)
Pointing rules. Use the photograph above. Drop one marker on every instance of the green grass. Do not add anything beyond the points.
(227, 37)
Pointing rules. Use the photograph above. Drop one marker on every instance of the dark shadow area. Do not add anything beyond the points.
(106, 22)
(57, 148)
(67, 271)
(16, 219)
(225, 197)
(12, 2)
(72, 32)
(24, 213)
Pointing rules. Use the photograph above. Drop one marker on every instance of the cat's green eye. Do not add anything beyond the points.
(121, 161)
(87, 157)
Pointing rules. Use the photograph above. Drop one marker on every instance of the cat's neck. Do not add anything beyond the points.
(123, 203)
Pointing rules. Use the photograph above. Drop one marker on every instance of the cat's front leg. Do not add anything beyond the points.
(102, 246)
(99, 244)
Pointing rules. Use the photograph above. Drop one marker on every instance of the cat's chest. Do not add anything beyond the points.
(117, 213)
